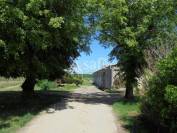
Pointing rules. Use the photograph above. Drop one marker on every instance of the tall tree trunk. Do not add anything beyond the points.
(129, 91)
(28, 86)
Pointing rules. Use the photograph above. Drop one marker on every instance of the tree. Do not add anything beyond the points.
(159, 106)
(41, 38)
(131, 27)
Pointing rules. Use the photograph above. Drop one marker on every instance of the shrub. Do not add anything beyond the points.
(67, 79)
(72, 79)
(46, 84)
(160, 104)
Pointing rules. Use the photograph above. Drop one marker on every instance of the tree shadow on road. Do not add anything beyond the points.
(13, 107)
(96, 98)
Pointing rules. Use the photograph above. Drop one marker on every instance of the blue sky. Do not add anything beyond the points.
(98, 58)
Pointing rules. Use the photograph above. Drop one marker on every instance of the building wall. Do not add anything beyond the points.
(104, 78)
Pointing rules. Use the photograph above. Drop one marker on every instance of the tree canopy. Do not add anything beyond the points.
(131, 27)
(41, 38)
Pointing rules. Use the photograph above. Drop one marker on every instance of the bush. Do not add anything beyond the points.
(46, 84)
(160, 104)
(72, 79)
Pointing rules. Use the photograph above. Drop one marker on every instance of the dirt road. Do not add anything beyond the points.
(87, 110)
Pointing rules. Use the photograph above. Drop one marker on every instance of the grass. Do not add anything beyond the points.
(6, 83)
(127, 111)
(16, 111)
(13, 123)
(67, 87)
(46, 85)
(87, 79)
(129, 115)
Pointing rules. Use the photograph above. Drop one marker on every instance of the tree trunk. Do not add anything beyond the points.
(129, 91)
(28, 86)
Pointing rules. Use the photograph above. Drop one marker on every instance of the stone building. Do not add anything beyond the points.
(105, 78)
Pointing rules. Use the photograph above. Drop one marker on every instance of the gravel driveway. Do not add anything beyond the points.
(87, 110)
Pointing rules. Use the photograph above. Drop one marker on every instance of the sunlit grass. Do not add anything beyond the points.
(8, 84)
(66, 87)
(127, 111)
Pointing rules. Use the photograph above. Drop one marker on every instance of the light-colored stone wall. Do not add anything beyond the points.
(105, 77)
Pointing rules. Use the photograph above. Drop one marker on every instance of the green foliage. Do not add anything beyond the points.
(78, 80)
(127, 111)
(72, 79)
(160, 104)
(87, 76)
(56, 22)
(46, 85)
(40, 39)
(84, 79)
(171, 94)
(130, 27)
